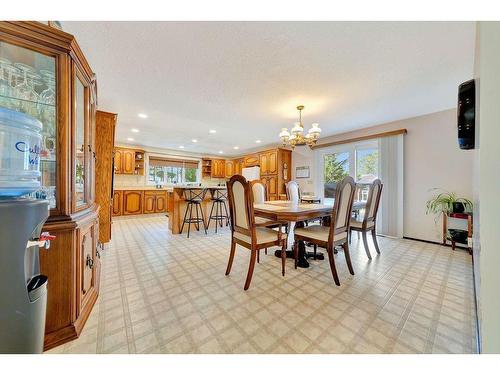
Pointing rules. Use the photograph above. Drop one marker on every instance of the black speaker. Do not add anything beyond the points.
(466, 114)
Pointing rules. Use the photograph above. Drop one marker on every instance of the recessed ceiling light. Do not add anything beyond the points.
(212, 131)
(142, 115)
(258, 141)
(236, 147)
(221, 152)
(181, 146)
(194, 140)
(135, 130)
(130, 139)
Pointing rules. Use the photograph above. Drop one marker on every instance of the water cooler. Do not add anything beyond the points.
(23, 290)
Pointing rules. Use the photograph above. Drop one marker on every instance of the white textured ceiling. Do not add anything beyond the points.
(244, 79)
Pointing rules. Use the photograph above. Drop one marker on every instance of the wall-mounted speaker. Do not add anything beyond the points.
(466, 114)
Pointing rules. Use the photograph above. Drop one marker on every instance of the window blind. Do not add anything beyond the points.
(166, 162)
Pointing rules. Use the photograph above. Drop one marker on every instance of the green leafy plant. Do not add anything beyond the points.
(443, 203)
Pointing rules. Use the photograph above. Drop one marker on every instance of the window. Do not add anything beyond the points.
(172, 171)
(360, 161)
(366, 170)
(336, 167)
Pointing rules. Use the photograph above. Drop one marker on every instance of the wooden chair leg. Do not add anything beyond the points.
(258, 256)
(283, 258)
(250, 269)
(331, 259)
(231, 257)
(315, 250)
(345, 245)
(365, 243)
(374, 236)
(265, 251)
(295, 253)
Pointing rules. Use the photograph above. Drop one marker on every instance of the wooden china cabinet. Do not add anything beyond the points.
(45, 74)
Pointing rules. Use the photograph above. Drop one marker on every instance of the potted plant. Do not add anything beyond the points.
(447, 202)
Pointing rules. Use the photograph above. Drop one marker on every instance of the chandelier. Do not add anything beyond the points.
(296, 136)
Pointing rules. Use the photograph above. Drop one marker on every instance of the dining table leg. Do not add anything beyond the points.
(303, 254)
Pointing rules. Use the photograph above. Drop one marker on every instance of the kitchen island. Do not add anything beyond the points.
(178, 209)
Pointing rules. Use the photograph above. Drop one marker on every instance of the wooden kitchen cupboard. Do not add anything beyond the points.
(218, 168)
(133, 202)
(275, 170)
(104, 147)
(117, 208)
(67, 165)
(154, 202)
(230, 171)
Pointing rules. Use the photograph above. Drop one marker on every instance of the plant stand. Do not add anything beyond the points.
(462, 216)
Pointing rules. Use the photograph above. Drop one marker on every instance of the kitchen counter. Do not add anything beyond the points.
(165, 188)
(168, 188)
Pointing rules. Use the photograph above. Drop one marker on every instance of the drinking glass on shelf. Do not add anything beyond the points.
(48, 96)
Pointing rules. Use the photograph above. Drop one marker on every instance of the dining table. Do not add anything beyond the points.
(288, 211)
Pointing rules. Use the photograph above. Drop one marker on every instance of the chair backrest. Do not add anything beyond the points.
(241, 206)
(372, 203)
(293, 192)
(344, 198)
(259, 191)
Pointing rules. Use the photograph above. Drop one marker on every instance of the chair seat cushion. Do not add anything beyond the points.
(359, 224)
(319, 232)
(264, 235)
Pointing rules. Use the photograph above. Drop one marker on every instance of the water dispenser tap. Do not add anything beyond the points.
(42, 241)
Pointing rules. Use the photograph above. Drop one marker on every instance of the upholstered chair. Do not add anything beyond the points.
(245, 231)
(369, 220)
(336, 233)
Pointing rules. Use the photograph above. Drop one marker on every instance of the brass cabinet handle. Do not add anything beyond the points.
(89, 262)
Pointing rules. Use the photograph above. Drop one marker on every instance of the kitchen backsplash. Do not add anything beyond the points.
(124, 180)
(129, 180)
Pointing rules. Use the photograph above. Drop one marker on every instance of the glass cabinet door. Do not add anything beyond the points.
(81, 142)
(28, 84)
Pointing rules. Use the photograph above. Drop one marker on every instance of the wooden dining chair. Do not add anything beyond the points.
(293, 192)
(336, 233)
(245, 231)
(369, 220)
(260, 196)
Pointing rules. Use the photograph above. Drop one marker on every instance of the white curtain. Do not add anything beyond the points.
(391, 173)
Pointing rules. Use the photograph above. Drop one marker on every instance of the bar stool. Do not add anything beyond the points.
(194, 197)
(219, 198)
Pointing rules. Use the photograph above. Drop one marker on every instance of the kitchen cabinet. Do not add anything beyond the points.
(268, 162)
(149, 202)
(251, 160)
(230, 168)
(238, 166)
(161, 202)
(154, 202)
(132, 202)
(65, 103)
(117, 203)
(128, 161)
(117, 161)
(87, 275)
(271, 184)
(218, 168)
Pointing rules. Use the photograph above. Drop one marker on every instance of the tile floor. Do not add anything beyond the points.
(168, 294)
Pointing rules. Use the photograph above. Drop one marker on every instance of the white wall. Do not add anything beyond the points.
(488, 270)
(431, 159)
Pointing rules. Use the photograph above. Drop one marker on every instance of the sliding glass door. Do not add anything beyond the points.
(360, 161)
